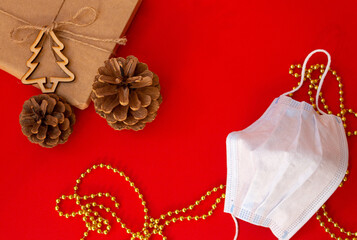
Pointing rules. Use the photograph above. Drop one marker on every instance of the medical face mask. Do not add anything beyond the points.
(284, 167)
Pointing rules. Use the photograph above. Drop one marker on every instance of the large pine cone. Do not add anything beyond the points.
(47, 119)
(126, 93)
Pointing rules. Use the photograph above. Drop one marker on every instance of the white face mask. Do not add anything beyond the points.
(285, 166)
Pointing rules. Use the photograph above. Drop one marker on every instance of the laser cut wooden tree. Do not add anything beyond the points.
(33, 65)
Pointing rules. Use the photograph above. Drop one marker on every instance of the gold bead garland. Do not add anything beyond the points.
(342, 114)
(90, 212)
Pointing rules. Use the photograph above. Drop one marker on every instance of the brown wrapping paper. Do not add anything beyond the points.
(113, 18)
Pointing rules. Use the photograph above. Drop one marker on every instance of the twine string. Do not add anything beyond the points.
(83, 18)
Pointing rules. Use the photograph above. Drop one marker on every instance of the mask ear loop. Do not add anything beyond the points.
(236, 224)
(322, 78)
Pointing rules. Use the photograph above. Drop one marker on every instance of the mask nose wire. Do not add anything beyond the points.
(322, 78)
(236, 225)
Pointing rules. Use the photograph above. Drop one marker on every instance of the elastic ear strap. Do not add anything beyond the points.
(322, 79)
(303, 74)
(236, 224)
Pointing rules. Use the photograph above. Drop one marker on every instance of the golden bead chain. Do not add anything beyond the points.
(349, 235)
(91, 212)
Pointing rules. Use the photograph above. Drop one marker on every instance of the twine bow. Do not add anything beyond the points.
(83, 18)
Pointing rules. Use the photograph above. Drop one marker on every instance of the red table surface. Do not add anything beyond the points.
(220, 65)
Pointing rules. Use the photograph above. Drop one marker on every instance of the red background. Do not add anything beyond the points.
(220, 65)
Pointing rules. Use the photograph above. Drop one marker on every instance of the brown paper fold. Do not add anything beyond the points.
(113, 18)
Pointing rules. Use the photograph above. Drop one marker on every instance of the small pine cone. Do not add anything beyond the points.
(126, 93)
(47, 119)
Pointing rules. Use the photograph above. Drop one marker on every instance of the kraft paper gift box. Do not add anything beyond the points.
(85, 54)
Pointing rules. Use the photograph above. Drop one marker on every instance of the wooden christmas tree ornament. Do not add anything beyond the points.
(42, 81)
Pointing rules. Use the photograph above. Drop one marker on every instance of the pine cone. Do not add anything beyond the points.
(126, 93)
(47, 119)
